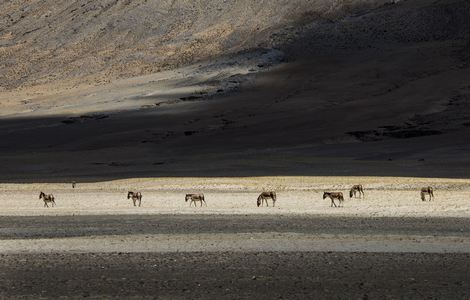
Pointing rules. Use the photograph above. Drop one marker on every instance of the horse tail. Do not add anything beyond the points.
(422, 196)
(350, 193)
(273, 195)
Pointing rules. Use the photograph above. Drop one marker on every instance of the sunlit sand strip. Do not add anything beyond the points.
(280, 183)
(241, 242)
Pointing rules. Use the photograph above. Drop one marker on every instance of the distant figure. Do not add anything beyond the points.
(47, 199)
(135, 196)
(427, 191)
(194, 198)
(73, 184)
(333, 196)
(264, 196)
(356, 189)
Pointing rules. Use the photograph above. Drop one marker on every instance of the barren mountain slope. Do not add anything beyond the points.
(279, 87)
(95, 41)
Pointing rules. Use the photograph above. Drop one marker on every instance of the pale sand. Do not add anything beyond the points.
(385, 196)
(241, 242)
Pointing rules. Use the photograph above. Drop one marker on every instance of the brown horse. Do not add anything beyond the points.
(427, 191)
(194, 198)
(47, 199)
(264, 196)
(333, 196)
(356, 189)
(135, 196)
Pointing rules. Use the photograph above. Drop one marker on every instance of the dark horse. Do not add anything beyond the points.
(427, 191)
(47, 199)
(356, 189)
(194, 198)
(135, 196)
(333, 196)
(264, 196)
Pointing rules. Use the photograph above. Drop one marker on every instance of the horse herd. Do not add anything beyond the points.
(356, 191)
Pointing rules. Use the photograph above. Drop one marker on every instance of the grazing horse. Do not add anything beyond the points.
(47, 198)
(194, 198)
(427, 191)
(333, 196)
(135, 196)
(264, 196)
(356, 189)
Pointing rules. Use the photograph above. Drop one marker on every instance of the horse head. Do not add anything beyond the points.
(188, 196)
(325, 195)
(41, 194)
(129, 194)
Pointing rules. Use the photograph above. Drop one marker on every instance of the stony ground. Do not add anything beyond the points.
(264, 275)
(210, 272)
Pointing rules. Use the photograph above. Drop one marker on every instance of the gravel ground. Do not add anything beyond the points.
(237, 275)
(114, 264)
(108, 225)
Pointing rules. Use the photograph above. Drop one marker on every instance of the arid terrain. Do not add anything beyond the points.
(95, 243)
(360, 88)
(231, 98)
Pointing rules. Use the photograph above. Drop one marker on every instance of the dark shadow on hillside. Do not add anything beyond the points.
(354, 100)
(137, 145)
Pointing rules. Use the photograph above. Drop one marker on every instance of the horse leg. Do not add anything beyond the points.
(204, 202)
(140, 201)
(133, 200)
(274, 203)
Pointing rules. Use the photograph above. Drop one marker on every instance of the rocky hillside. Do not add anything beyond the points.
(319, 87)
(44, 41)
